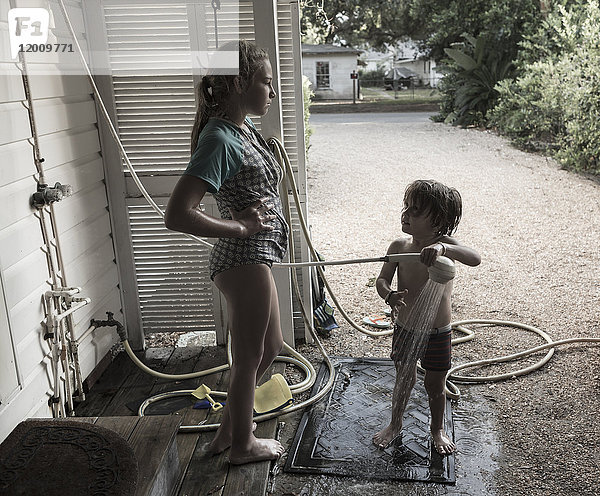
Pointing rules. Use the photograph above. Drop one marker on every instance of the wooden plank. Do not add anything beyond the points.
(52, 86)
(153, 442)
(92, 265)
(106, 386)
(81, 206)
(137, 384)
(214, 476)
(188, 444)
(205, 476)
(124, 426)
(95, 229)
(11, 84)
(24, 277)
(60, 114)
(25, 316)
(252, 478)
(185, 360)
(24, 237)
(16, 123)
(17, 161)
(16, 195)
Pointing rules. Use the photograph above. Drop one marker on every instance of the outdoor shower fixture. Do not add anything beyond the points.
(442, 270)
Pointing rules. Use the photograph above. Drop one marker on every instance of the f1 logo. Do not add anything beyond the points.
(27, 26)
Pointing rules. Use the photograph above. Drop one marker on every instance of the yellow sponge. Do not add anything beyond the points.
(273, 395)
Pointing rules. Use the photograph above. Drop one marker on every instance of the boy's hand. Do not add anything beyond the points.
(431, 252)
(396, 301)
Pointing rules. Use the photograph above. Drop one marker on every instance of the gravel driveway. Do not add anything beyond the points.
(537, 228)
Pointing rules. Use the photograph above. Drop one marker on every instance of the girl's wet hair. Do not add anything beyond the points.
(442, 203)
(213, 90)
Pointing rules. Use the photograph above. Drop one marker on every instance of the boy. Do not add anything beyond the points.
(430, 215)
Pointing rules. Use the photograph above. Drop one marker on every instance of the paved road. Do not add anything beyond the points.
(380, 117)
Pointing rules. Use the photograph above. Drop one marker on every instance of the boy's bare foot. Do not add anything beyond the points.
(385, 437)
(220, 443)
(259, 450)
(442, 443)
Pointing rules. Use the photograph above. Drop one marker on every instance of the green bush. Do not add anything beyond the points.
(372, 79)
(554, 104)
(469, 87)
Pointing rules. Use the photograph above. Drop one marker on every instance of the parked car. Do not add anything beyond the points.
(398, 78)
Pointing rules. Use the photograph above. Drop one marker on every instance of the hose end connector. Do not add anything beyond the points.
(442, 271)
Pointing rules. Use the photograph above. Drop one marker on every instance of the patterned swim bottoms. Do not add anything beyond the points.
(438, 353)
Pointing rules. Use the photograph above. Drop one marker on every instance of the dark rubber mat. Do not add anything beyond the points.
(335, 435)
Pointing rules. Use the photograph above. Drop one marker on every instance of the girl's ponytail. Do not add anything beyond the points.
(214, 90)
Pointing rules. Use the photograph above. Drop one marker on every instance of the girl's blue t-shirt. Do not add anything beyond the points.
(219, 153)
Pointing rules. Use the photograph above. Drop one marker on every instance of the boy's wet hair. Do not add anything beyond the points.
(442, 203)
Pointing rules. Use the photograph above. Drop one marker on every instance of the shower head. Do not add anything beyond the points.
(442, 270)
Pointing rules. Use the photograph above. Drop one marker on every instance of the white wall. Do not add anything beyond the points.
(340, 68)
(69, 143)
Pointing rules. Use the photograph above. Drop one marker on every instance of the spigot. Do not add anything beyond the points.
(46, 195)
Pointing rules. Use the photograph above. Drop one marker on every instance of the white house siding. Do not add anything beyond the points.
(425, 68)
(69, 143)
(340, 68)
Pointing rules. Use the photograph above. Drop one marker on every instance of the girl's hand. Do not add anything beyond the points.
(254, 218)
(431, 252)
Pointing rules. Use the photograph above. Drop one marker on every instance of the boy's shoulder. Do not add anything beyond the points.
(399, 245)
(450, 240)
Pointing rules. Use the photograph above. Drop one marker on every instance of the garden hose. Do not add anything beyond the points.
(296, 358)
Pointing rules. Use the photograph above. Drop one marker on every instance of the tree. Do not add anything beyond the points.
(357, 23)
(501, 22)
(437, 24)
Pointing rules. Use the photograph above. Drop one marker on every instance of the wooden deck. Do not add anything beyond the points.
(123, 386)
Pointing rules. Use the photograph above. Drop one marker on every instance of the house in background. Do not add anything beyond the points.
(328, 67)
(407, 59)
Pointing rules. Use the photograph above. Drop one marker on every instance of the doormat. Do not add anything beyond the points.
(66, 458)
(334, 436)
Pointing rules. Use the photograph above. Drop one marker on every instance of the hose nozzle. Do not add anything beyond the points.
(442, 270)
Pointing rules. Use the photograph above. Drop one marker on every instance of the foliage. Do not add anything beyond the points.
(307, 94)
(357, 23)
(372, 78)
(554, 103)
(441, 23)
(469, 87)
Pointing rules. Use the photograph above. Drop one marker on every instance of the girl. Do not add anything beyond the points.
(232, 161)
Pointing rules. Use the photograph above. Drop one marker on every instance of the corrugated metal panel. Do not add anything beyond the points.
(154, 113)
(174, 285)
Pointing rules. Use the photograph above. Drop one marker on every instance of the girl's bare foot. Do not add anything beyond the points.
(385, 436)
(259, 450)
(442, 443)
(221, 442)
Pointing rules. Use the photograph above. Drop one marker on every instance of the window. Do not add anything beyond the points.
(322, 75)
